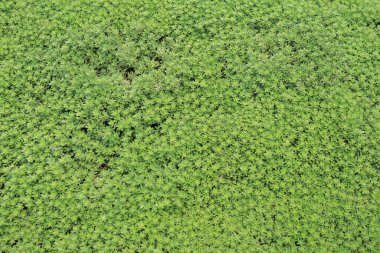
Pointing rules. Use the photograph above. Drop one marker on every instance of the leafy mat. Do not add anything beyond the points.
(189, 126)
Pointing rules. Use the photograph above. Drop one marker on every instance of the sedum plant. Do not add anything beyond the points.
(189, 126)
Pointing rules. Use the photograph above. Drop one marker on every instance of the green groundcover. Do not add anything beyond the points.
(189, 126)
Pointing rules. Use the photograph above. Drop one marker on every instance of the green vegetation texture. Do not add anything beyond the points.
(189, 126)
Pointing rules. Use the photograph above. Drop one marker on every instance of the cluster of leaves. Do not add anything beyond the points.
(189, 126)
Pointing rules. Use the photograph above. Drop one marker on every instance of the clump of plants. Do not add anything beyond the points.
(189, 126)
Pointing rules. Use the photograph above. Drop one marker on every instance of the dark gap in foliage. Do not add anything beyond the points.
(125, 172)
(158, 61)
(223, 72)
(69, 230)
(260, 241)
(237, 177)
(377, 23)
(223, 69)
(275, 111)
(295, 141)
(375, 166)
(162, 38)
(15, 242)
(154, 125)
(87, 60)
(133, 134)
(69, 151)
(293, 46)
(100, 70)
(119, 132)
(128, 72)
(84, 129)
(103, 166)
(95, 50)
(289, 85)
(260, 86)
(359, 152)
(340, 168)
(82, 181)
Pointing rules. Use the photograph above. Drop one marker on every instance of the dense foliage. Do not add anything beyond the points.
(189, 126)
